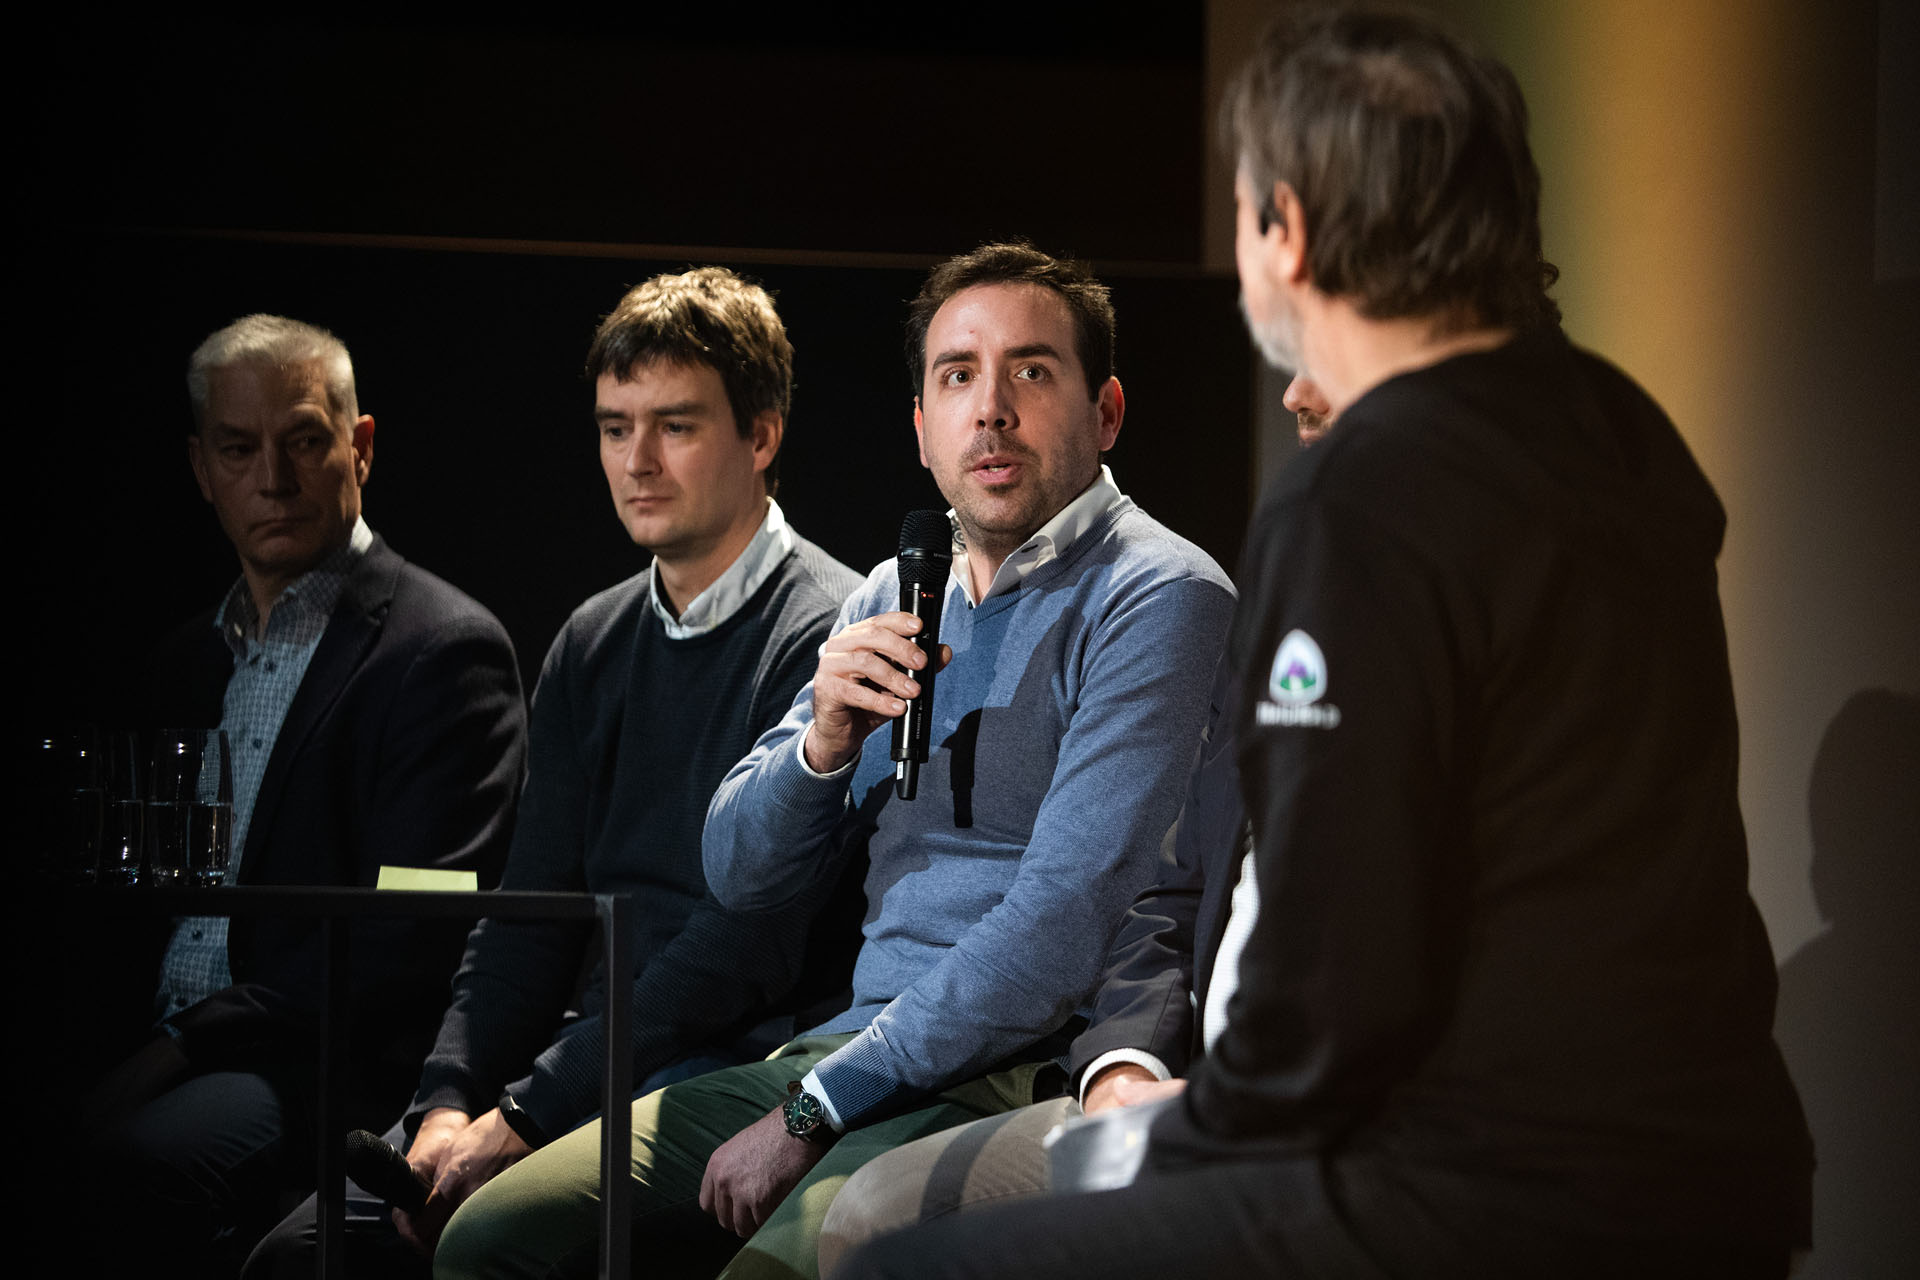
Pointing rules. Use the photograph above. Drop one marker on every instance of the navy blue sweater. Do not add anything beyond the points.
(631, 732)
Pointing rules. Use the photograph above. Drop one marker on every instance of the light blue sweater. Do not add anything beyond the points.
(1063, 732)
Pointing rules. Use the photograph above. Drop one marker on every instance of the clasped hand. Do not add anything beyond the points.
(457, 1156)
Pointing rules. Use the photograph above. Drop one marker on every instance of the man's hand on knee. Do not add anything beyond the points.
(753, 1171)
(458, 1156)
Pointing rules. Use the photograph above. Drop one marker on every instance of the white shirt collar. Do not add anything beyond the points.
(752, 567)
(1047, 544)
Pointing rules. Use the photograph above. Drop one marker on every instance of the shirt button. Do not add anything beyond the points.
(196, 935)
(256, 744)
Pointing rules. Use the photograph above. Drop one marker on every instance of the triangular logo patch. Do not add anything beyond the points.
(1299, 673)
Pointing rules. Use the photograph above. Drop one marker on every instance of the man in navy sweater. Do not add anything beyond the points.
(1083, 635)
(651, 691)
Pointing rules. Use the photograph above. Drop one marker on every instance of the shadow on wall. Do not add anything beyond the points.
(1848, 1019)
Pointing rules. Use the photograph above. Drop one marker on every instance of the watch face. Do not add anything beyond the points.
(803, 1115)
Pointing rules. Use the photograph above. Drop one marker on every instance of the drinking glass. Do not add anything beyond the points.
(118, 853)
(189, 818)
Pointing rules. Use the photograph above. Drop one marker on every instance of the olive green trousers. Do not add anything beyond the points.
(541, 1218)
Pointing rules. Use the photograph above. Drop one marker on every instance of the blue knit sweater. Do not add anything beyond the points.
(1064, 729)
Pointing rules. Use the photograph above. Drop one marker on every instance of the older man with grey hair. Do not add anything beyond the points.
(375, 719)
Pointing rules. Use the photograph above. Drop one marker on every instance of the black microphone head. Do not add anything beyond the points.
(362, 1141)
(926, 541)
(380, 1167)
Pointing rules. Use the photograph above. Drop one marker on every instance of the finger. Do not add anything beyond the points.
(450, 1193)
(447, 1185)
(733, 1215)
(431, 1221)
(425, 1161)
(715, 1199)
(881, 640)
(898, 621)
(403, 1223)
(881, 693)
(867, 663)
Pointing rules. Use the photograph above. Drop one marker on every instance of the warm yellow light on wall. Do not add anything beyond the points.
(1648, 130)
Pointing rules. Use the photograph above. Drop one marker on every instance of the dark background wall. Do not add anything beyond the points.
(461, 205)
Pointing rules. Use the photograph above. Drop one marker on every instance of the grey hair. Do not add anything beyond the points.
(279, 342)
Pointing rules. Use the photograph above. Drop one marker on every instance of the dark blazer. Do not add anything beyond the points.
(1158, 967)
(405, 746)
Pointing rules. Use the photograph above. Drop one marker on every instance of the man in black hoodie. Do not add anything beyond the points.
(1492, 998)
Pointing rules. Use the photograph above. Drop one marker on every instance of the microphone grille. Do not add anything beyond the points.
(360, 1140)
(927, 535)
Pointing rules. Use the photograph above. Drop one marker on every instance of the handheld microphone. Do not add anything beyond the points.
(926, 557)
(377, 1166)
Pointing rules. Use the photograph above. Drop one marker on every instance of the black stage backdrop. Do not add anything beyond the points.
(461, 201)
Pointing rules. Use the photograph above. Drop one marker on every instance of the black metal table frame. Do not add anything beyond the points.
(336, 908)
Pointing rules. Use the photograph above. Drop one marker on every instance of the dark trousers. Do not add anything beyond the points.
(199, 1173)
(1277, 1219)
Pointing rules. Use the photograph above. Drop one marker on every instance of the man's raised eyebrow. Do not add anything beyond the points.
(1033, 349)
(953, 357)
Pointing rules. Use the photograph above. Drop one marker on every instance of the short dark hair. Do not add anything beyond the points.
(1408, 152)
(1018, 262)
(706, 316)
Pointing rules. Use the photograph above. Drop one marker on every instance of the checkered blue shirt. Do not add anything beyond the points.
(267, 671)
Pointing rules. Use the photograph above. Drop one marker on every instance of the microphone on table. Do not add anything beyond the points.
(926, 557)
(379, 1167)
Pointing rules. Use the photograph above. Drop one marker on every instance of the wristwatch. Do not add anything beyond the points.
(521, 1123)
(806, 1115)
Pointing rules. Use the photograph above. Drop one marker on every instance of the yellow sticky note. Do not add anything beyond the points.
(427, 878)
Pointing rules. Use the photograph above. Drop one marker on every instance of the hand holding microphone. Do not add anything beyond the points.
(453, 1156)
(875, 669)
(378, 1166)
(926, 558)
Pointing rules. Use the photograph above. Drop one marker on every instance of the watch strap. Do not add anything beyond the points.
(521, 1123)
